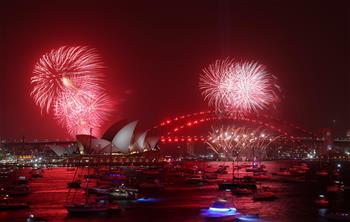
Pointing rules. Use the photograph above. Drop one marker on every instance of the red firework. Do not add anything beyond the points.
(69, 81)
(68, 70)
(241, 87)
(79, 113)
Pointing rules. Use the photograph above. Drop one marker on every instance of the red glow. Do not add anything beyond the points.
(69, 80)
(232, 86)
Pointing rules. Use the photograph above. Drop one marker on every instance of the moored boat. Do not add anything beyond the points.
(91, 207)
(338, 216)
(321, 201)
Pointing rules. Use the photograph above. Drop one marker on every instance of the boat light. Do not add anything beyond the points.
(215, 209)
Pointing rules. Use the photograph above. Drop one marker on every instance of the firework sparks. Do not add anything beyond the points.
(79, 113)
(69, 81)
(66, 70)
(241, 87)
(232, 141)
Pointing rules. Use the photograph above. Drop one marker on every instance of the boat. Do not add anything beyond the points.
(32, 218)
(338, 216)
(92, 176)
(220, 210)
(245, 182)
(197, 179)
(222, 170)
(91, 207)
(18, 190)
(7, 203)
(105, 189)
(283, 172)
(13, 205)
(333, 188)
(74, 184)
(304, 166)
(241, 191)
(147, 200)
(21, 180)
(36, 173)
(123, 194)
(296, 170)
(264, 193)
(255, 169)
(321, 201)
(152, 184)
(113, 176)
(70, 168)
(249, 217)
(211, 176)
(322, 173)
(260, 176)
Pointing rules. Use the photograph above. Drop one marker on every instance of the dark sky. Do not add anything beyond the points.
(156, 50)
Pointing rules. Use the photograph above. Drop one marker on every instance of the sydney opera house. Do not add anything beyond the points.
(121, 143)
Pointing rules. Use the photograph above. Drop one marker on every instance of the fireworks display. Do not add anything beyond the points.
(69, 81)
(238, 86)
(232, 141)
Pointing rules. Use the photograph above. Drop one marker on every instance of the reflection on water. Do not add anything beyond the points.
(181, 202)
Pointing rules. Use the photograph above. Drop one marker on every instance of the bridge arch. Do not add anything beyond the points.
(170, 129)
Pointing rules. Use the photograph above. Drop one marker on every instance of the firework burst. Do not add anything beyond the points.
(69, 81)
(238, 86)
(66, 70)
(80, 113)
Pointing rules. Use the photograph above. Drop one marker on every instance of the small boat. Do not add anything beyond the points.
(152, 184)
(92, 176)
(333, 188)
(21, 180)
(74, 184)
(220, 210)
(245, 182)
(8, 203)
(113, 176)
(19, 190)
(91, 207)
(211, 176)
(304, 166)
(123, 194)
(70, 168)
(36, 173)
(222, 170)
(255, 169)
(336, 173)
(283, 172)
(13, 205)
(105, 189)
(321, 201)
(322, 173)
(147, 200)
(196, 179)
(32, 218)
(338, 216)
(241, 191)
(296, 170)
(264, 194)
(261, 176)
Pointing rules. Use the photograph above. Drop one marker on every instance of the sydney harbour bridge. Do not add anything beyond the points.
(192, 129)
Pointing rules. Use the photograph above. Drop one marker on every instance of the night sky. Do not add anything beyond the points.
(155, 51)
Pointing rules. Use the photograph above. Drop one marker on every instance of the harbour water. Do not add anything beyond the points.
(182, 202)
